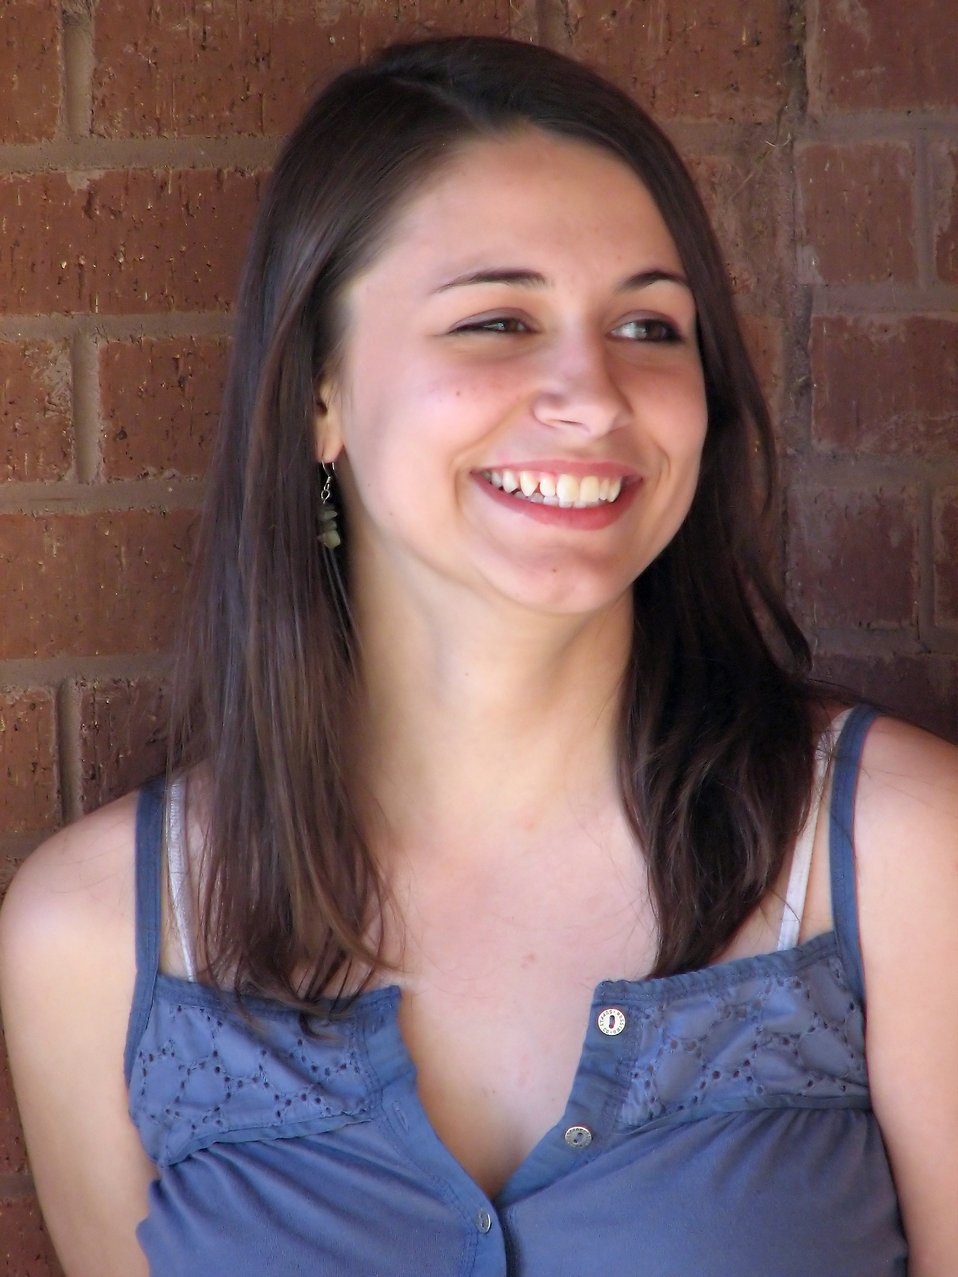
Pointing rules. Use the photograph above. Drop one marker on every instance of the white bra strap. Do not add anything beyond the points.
(178, 870)
(802, 853)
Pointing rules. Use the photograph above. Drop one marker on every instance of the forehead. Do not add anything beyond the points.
(529, 193)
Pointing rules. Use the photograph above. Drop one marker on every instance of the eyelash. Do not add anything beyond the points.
(494, 325)
(498, 325)
(667, 332)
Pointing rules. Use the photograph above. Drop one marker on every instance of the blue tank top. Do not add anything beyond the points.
(719, 1124)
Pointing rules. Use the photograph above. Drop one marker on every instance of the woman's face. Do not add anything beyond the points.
(518, 410)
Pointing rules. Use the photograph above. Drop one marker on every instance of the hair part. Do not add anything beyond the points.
(715, 745)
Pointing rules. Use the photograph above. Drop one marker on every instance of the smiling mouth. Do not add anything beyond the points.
(567, 491)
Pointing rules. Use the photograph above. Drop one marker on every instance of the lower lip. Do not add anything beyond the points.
(587, 519)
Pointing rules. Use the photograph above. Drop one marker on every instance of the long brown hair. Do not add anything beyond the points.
(715, 744)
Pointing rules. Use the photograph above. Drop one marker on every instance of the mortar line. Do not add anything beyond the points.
(78, 64)
(68, 750)
(797, 425)
(50, 671)
(925, 601)
(552, 20)
(66, 497)
(86, 407)
(921, 211)
(100, 154)
(15, 1187)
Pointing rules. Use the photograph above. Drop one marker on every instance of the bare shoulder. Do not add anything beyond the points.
(80, 879)
(907, 774)
(906, 830)
(906, 841)
(67, 973)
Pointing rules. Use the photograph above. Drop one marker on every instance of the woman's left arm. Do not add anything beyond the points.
(906, 839)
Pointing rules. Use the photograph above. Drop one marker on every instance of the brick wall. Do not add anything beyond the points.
(133, 141)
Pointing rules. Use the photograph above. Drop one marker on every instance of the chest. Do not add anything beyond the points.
(498, 971)
(367, 1190)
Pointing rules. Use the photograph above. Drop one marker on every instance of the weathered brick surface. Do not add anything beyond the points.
(859, 221)
(9, 864)
(30, 85)
(86, 584)
(29, 798)
(122, 736)
(944, 197)
(765, 340)
(25, 1248)
(240, 66)
(13, 1155)
(691, 59)
(853, 557)
(872, 55)
(885, 385)
(35, 410)
(160, 400)
(127, 241)
(747, 195)
(381, 24)
(946, 556)
(923, 688)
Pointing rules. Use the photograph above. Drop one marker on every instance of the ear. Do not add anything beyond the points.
(327, 423)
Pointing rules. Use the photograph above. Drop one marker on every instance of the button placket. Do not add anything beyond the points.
(611, 1021)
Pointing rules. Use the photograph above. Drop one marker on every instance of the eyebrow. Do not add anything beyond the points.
(532, 279)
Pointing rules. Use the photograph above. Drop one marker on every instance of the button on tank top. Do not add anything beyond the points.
(719, 1123)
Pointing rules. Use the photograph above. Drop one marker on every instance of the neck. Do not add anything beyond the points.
(486, 718)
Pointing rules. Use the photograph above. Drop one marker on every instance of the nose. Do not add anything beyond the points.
(580, 390)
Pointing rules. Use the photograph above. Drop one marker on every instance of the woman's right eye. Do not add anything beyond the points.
(495, 324)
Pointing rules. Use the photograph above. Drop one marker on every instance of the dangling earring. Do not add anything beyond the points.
(329, 536)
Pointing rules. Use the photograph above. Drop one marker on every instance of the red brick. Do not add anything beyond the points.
(85, 584)
(36, 439)
(10, 862)
(242, 67)
(124, 242)
(872, 55)
(859, 221)
(13, 1155)
(945, 211)
(690, 59)
(853, 557)
(28, 761)
(381, 24)
(922, 688)
(887, 385)
(122, 736)
(946, 556)
(25, 1248)
(30, 53)
(160, 400)
(764, 338)
(748, 198)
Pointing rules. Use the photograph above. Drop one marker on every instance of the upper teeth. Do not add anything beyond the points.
(565, 490)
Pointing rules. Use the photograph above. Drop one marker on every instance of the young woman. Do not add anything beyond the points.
(513, 902)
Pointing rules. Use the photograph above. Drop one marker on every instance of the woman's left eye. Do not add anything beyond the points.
(647, 330)
(496, 324)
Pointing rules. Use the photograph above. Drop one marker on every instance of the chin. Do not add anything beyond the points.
(562, 597)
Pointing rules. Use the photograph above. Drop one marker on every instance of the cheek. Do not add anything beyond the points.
(694, 411)
(682, 417)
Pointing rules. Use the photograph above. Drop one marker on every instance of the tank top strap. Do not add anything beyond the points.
(841, 849)
(797, 889)
(148, 888)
